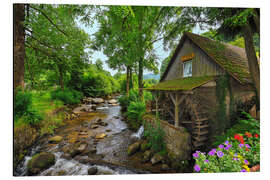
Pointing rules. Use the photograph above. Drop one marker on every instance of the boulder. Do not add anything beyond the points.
(114, 104)
(55, 139)
(61, 173)
(133, 148)
(147, 156)
(81, 148)
(165, 167)
(101, 136)
(108, 130)
(97, 100)
(92, 170)
(66, 156)
(112, 101)
(157, 158)
(40, 162)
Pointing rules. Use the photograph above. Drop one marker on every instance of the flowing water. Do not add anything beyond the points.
(111, 152)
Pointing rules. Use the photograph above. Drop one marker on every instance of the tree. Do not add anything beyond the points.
(54, 42)
(19, 48)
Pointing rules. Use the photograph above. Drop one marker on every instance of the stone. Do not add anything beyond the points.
(40, 162)
(101, 136)
(61, 173)
(133, 148)
(157, 158)
(55, 139)
(165, 167)
(147, 156)
(114, 104)
(112, 101)
(108, 130)
(94, 126)
(66, 156)
(97, 100)
(104, 124)
(92, 170)
(83, 133)
(81, 148)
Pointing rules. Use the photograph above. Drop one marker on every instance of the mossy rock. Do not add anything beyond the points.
(133, 148)
(40, 162)
(55, 139)
(144, 146)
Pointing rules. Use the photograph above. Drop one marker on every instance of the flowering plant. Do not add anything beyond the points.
(236, 154)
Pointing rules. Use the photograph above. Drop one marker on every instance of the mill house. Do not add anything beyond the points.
(187, 94)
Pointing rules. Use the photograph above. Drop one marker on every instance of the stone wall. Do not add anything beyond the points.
(177, 139)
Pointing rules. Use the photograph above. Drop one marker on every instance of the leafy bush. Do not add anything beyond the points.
(243, 125)
(155, 137)
(23, 101)
(134, 113)
(31, 117)
(236, 154)
(68, 96)
(134, 97)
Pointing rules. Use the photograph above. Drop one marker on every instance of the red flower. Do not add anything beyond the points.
(248, 134)
(247, 149)
(237, 136)
(256, 135)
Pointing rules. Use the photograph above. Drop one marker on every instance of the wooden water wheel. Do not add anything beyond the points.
(199, 123)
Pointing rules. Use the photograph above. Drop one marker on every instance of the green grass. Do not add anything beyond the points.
(45, 106)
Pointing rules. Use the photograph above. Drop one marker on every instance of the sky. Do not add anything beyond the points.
(158, 46)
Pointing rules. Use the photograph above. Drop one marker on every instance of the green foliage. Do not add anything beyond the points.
(222, 121)
(134, 97)
(155, 137)
(134, 113)
(68, 96)
(32, 117)
(243, 125)
(238, 153)
(23, 100)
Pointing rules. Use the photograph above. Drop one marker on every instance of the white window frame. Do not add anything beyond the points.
(189, 62)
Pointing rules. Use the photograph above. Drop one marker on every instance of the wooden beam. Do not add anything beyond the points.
(176, 100)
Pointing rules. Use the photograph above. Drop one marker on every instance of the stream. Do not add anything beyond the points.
(108, 154)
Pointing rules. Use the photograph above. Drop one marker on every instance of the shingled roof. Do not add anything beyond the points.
(230, 58)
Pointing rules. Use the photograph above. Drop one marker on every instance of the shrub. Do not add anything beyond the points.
(23, 101)
(134, 113)
(236, 154)
(155, 137)
(31, 117)
(68, 96)
(242, 126)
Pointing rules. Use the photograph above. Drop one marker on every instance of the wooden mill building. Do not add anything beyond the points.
(187, 92)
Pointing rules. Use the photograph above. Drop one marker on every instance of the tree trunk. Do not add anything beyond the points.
(18, 45)
(61, 83)
(140, 78)
(127, 81)
(131, 80)
(252, 59)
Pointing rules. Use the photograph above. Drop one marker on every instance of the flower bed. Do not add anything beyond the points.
(240, 153)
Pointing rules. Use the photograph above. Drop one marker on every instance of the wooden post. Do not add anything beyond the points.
(156, 97)
(176, 101)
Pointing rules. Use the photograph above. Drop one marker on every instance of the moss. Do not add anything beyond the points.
(182, 84)
(40, 162)
(232, 62)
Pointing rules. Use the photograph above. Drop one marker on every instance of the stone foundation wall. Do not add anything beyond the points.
(177, 139)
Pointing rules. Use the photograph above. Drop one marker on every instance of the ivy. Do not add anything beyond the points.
(222, 88)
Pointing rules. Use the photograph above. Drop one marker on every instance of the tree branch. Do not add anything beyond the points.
(49, 19)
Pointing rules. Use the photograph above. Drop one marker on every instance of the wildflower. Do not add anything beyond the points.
(246, 162)
(237, 136)
(243, 170)
(248, 134)
(226, 142)
(241, 145)
(195, 155)
(212, 152)
(220, 154)
(247, 146)
(207, 161)
(197, 168)
(235, 159)
(229, 145)
(221, 146)
(226, 148)
(256, 135)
